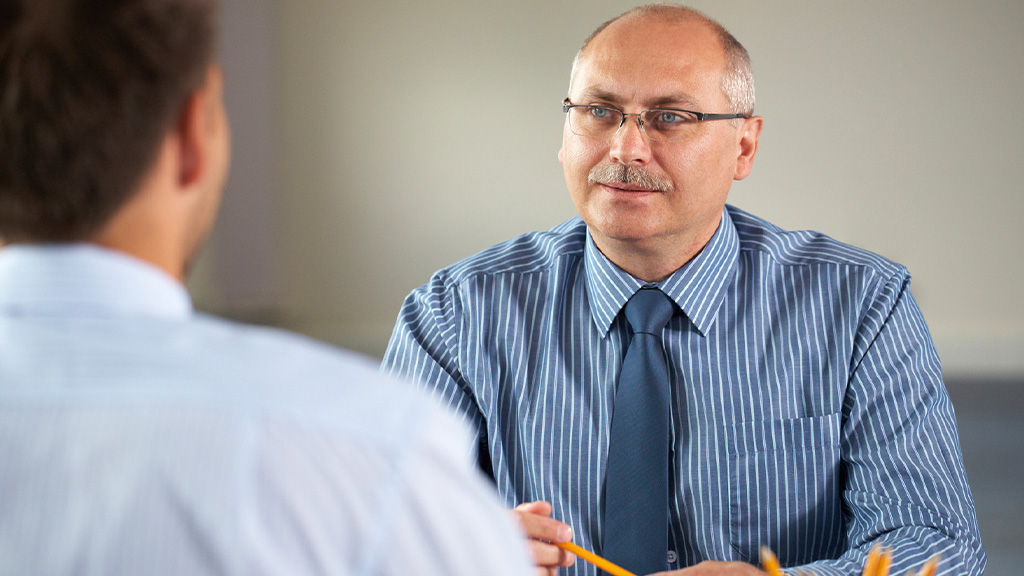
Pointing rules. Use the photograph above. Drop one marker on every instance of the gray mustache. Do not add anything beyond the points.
(619, 174)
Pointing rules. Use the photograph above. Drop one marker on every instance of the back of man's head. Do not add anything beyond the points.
(88, 88)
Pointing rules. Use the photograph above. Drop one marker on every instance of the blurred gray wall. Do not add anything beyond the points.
(378, 141)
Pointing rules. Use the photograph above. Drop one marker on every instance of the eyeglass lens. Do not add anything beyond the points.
(601, 122)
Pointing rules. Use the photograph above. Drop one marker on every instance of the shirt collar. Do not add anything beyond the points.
(698, 288)
(86, 280)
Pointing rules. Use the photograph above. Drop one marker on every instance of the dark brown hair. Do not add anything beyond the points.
(88, 88)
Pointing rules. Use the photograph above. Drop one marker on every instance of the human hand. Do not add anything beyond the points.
(709, 568)
(535, 520)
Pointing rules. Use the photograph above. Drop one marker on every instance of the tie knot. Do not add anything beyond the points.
(648, 311)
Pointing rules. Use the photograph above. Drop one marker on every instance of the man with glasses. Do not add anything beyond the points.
(137, 437)
(788, 394)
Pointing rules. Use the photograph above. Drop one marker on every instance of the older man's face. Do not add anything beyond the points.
(636, 64)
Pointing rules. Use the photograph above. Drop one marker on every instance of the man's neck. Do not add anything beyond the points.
(139, 230)
(652, 259)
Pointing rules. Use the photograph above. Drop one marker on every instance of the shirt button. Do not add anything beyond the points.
(672, 557)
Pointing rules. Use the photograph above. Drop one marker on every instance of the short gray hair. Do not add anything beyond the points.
(738, 80)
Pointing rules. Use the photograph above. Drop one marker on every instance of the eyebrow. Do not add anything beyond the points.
(671, 101)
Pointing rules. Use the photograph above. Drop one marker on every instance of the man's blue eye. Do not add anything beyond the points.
(600, 112)
(669, 118)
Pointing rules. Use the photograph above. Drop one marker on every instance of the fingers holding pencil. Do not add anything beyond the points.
(542, 532)
(607, 566)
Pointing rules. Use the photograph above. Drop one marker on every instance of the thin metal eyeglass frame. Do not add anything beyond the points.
(567, 105)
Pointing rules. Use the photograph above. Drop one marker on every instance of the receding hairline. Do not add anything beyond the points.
(738, 70)
(672, 13)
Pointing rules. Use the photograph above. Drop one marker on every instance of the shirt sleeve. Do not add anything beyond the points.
(904, 484)
(424, 348)
(451, 502)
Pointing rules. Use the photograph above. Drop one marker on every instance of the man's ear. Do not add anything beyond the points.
(191, 161)
(747, 146)
(194, 128)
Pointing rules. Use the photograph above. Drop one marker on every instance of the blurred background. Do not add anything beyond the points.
(375, 142)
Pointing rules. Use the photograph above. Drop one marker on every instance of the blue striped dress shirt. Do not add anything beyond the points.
(808, 413)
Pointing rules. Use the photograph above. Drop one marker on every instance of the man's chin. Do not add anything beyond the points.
(624, 230)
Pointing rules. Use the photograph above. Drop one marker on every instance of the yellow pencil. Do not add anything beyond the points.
(884, 563)
(930, 566)
(770, 563)
(613, 569)
(871, 564)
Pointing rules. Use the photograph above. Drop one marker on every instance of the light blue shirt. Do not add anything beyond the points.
(808, 414)
(137, 437)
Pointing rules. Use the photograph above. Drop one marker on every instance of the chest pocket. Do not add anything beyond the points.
(784, 487)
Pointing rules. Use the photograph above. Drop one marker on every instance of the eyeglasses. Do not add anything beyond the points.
(661, 124)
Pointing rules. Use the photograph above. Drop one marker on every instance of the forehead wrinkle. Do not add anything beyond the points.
(677, 100)
(673, 101)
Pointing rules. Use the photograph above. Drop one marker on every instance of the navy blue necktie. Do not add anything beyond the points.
(636, 484)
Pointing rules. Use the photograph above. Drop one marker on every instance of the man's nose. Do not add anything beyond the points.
(629, 143)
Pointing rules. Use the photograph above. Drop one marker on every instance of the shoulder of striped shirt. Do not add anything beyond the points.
(541, 251)
(527, 253)
(806, 247)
